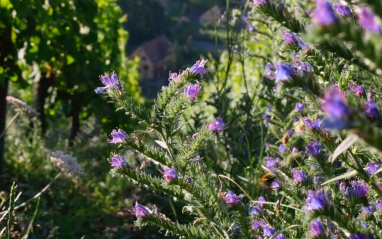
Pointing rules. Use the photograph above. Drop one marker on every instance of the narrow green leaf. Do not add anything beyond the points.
(33, 218)
(376, 172)
(285, 229)
(162, 144)
(343, 176)
(346, 144)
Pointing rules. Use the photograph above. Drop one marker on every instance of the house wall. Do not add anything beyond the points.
(146, 67)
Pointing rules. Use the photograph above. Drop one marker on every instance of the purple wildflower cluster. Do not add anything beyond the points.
(293, 40)
(324, 13)
(169, 174)
(326, 16)
(299, 176)
(140, 211)
(118, 136)
(217, 125)
(199, 68)
(337, 110)
(299, 107)
(173, 76)
(285, 72)
(272, 163)
(109, 82)
(371, 109)
(118, 162)
(312, 125)
(356, 190)
(343, 10)
(231, 199)
(316, 201)
(192, 91)
(358, 90)
(314, 148)
(367, 20)
(260, 224)
(316, 229)
(261, 3)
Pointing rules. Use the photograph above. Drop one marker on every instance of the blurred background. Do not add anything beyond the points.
(52, 53)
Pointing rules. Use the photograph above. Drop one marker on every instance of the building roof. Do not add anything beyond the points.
(211, 15)
(164, 3)
(157, 49)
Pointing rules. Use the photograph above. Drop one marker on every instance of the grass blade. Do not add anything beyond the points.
(346, 144)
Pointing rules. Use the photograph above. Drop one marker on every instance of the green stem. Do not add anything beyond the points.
(10, 123)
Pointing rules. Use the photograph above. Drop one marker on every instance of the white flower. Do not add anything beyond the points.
(67, 163)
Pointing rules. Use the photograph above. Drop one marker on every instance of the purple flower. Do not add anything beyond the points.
(256, 210)
(282, 148)
(303, 66)
(262, 199)
(268, 231)
(373, 167)
(316, 229)
(266, 117)
(231, 198)
(364, 225)
(256, 224)
(303, 69)
(371, 110)
(358, 90)
(280, 236)
(173, 76)
(250, 27)
(335, 105)
(260, 3)
(359, 235)
(342, 187)
(141, 211)
(299, 175)
(118, 136)
(272, 162)
(367, 211)
(117, 162)
(217, 125)
(170, 174)
(315, 201)
(378, 205)
(360, 190)
(343, 10)
(299, 107)
(294, 150)
(317, 179)
(108, 82)
(316, 125)
(269, 71)
(367, 21)
(289, 38)
(284, 72)
(198, 68)
(289, 132)
(314, 148)
(192, 91)
(276, 185)
(324, 14)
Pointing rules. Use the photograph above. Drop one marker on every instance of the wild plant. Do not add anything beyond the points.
(316, 173)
